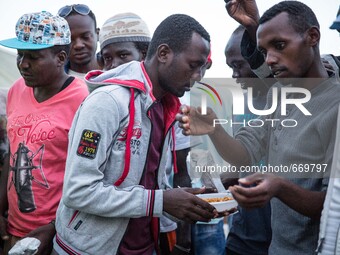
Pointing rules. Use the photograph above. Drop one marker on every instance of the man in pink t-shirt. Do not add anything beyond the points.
(40, 109)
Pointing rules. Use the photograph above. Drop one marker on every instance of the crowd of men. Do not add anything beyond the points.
(88, 155)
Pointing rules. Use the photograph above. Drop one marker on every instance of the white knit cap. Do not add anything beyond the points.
(124, 27)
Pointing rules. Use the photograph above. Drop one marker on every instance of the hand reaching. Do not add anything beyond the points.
(244, 12)
(182, 204)
(194, 123)
(247, 196)
(45, 234)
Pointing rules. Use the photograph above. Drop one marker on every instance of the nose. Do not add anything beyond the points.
(116, 62)
(271, 59)
(198, 74)
(22, 62)
(77, 43)
(236, 74)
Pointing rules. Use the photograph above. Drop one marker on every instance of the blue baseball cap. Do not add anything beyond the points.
(41, 30)
(336, 23)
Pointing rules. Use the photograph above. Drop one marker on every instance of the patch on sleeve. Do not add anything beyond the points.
(88, 144)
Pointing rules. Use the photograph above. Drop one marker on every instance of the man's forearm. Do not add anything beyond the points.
(230, 149)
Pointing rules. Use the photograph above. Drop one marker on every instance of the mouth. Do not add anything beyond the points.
(277, 72)
(26, 76)
(187, 88)
(242, 83)
(80, 55)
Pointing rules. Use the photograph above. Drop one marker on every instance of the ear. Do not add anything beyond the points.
(208, 64)
(61, 58)
(143, 53)
(97, 33)
(164, 53)
(313, 36)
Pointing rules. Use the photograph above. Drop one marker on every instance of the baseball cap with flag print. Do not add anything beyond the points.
(41, 30)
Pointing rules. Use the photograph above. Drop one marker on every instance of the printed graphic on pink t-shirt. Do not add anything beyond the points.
(23, 165)
(38, 137)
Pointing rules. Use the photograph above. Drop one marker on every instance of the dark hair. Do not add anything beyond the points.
(100, 59)
(301, 17)
(176, 31)
(91, 14)
(58, 48)
(142, 46)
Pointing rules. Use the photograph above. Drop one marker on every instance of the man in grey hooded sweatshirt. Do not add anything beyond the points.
(114, 187)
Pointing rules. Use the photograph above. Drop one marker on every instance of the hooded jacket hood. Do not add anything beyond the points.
(129, 75)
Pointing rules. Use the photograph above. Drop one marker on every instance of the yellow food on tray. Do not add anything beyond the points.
(217, 199)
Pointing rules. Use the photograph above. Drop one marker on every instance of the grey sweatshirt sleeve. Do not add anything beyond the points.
(256, 138)
(90, 171)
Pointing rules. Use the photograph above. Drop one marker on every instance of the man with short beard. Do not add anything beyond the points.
(40, 109)
(288, 37)
(84, 38)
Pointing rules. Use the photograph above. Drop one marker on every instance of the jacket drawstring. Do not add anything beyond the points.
(174, 156)
(127, 157)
